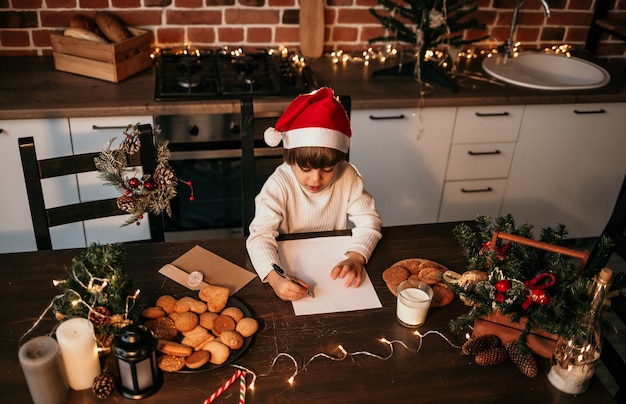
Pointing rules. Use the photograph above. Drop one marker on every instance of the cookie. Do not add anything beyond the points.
(216, 297)
(153, 312)
(171, 363)
(413, 265)
(188, 303)
(174, 348)
(223, 323)
(395, 274)
(206, 319)
(197, 359)
(442, 295)
(186, 321)
(219, 352)
(233, 312)
(197, 337)
(231, 339)
(430, 275)
(166, 302)
(163, 328)
(247, 326)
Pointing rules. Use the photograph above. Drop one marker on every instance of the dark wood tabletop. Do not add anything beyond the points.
(437, 372)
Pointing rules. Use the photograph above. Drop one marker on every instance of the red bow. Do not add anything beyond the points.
(500, 250)
(536, 289)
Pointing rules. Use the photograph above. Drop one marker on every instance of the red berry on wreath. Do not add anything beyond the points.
(503, 285)
(134, 182)
(148, 185)
(192, 198)
(500, 297)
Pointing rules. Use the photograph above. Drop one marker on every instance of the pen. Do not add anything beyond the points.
(290, 278)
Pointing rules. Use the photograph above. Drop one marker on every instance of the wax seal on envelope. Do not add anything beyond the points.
(195, 278)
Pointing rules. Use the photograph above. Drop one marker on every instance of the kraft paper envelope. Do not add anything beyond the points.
(215, 270)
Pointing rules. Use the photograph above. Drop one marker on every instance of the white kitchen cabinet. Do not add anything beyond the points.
(402, 155)
(480, 158)
(52, 139)
(92, 134)
(569, 164)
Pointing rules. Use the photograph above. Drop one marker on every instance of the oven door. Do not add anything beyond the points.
(227, 162)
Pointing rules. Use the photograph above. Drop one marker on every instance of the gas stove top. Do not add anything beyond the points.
(208, 75)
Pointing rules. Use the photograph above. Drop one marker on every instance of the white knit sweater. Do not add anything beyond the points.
(284, 207)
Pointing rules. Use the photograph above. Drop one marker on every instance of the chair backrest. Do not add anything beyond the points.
(36, 170)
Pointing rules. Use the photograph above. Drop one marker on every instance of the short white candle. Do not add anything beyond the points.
(413, 304)
(79, 351)
(41, 362)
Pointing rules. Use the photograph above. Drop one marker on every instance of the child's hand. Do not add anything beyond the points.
(285, 289)
(350, 269)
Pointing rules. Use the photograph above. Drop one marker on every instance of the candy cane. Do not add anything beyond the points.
(223, 387)
(242, 388)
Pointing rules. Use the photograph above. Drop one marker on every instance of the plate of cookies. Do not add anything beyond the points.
(424, 270)
(200, 331)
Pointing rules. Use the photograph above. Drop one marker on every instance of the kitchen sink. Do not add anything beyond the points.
(546, 71)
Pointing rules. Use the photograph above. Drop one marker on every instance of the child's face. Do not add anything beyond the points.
(314, 179)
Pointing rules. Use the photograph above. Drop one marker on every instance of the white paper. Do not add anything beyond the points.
(311, 260)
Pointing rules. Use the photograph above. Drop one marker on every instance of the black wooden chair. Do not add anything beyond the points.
(616, 230)
(43, 218)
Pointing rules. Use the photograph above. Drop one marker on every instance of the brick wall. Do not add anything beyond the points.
(25, 25)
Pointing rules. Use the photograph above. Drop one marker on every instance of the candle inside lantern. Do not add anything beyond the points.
(41, 363)
(79, 351)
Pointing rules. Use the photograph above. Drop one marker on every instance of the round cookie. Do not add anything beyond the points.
(223, 323)
(231, 339)
(430, 275)
(442, 295)
(197, 359)
(186, 321)
(247, 326)
(163, 328)
(166, 302)
(412, 264)
(234, 312)
(174, 348)
(171, 363)
(219, 352)
(153, 312)
(206, 319)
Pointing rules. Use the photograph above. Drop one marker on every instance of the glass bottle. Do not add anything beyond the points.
(575, 358)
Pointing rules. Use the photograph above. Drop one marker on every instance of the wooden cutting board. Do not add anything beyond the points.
(312, 28)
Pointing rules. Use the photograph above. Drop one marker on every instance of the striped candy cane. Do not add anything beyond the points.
(223, 387)
(242, 388)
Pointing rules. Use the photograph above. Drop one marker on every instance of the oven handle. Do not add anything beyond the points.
(222, 154)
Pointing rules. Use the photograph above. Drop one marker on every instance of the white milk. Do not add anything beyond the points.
(413, 306)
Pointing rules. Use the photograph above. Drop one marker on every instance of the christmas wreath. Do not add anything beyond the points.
(150, 193)
(521, 281)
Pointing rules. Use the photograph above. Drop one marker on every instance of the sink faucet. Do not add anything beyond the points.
(510, 42)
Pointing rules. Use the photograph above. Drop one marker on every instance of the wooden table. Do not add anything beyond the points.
(438, 372)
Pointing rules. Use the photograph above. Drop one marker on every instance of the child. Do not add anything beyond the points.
(315, 189)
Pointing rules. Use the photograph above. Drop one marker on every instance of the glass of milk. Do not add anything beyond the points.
(414, 299)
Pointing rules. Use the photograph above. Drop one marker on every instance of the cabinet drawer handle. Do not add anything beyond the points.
(483, 153)
(482, 114)
(1, 130)
(378, 118)
(597, 111)
(97, 127)
(471, 191)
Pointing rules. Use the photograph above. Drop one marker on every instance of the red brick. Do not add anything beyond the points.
(366, 3)
(97, 4)
(201, 35)
(291, 17)
(15, 52)
(189, 3)
(61, 3)
(576, 35)
(355, 17)
(170, 36)
(41, 37)
(345, 34)
(193, 17)
(569, 18)
(244, 16)
(230, 35)
(210, 3)
(18, 19)
(281, 3)
(125, 3)
(140, 17)
(582, 5)
(527, 34)
(552, 34)
(13, 38)
(259, 35)
(56, 18)
(371, 32)
(331, 3)
(287, 35)
(26, 5)
(252, 3)
(157, 3)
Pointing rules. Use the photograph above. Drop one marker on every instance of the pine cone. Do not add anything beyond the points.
(163, 176)
(131, 144)
(126, 203)
(525, 363)
(100, 316)
(103, 385)
(476, 345)
(491, 356)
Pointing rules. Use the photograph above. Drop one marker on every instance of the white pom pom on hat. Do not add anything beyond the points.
(314, 119)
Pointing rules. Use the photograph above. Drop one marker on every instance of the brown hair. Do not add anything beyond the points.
(313, 157)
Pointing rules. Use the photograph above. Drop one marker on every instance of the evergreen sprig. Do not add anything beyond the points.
(518, 263)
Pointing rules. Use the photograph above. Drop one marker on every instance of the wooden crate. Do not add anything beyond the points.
(110, 62)
(541, 342)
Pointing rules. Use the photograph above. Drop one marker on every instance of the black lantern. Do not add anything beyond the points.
(135, 350)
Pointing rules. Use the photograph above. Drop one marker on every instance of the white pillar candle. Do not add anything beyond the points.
(41, 363)
(79, 351)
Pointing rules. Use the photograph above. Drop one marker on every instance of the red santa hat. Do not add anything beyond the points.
(314, 119)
